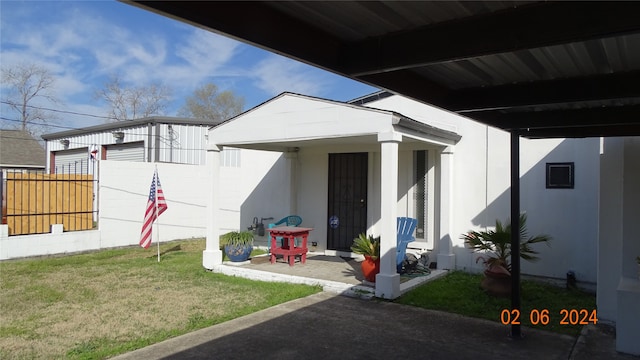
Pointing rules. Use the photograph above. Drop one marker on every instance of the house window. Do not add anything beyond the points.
(230, 157)
(560, 175)
(420, 193)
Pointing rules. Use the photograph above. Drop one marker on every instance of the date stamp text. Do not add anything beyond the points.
(544, 317)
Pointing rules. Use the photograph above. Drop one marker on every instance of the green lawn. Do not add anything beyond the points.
(460, 293)
(97, 305)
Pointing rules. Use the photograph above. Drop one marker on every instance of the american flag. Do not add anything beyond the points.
(150, 213)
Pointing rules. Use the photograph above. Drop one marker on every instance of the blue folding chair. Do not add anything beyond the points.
(291, 220)
(406, 226)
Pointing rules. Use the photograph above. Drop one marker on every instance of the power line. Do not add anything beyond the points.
(37, 123)
(59, 111)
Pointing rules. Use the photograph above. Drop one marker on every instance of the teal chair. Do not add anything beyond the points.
(406, 226)
(291, 220)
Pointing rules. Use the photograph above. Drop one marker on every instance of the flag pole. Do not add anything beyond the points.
(155, 175)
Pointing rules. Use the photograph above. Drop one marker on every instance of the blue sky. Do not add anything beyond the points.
(83, 43)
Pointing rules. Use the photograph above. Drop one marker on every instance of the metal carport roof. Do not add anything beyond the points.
(543, 69)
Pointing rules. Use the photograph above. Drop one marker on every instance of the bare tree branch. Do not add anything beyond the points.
(128, 103)
(28, 83)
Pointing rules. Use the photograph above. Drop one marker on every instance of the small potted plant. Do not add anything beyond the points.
(237, 245)
(369, 247)
(496, 247)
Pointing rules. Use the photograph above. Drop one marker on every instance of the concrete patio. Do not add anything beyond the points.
(335, 274)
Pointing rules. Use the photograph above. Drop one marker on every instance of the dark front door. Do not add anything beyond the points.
(347, 199)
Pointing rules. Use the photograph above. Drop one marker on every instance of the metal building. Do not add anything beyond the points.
(152, 139)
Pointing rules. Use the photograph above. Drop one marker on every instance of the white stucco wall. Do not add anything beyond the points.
(255, 190)
(313, 187)
(628, 290)
(312, 194)
(481, 190)
(631, 207)
(611, 226)
(619, 218)
(618, 296)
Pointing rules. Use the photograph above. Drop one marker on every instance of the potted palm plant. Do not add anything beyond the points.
(369, 247)
(237, 245)
(496, 248)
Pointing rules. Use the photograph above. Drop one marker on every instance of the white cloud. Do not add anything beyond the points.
(78, 119)
(276, 74)
(66, 87)
(83, 43)
(150, 53)
(205, 51)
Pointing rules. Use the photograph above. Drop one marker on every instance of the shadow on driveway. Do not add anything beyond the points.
(328, 326)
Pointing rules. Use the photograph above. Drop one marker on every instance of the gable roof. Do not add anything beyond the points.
(536, 68)
(118, 125)
(18, 149)
(296, 119)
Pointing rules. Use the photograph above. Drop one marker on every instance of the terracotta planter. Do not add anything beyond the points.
(370, 268)
(497, 282)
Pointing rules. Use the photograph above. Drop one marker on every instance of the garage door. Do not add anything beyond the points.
(126, 152)
(73, 161)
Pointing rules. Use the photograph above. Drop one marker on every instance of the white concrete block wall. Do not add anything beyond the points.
(124, 189)
(55, 242)
(122, 199)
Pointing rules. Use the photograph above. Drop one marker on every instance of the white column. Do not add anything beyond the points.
(292, 158)
(388, 280)
(212, 255)
(446, 258)
(610, 227)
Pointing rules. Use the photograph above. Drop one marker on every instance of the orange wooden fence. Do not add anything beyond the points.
(36, 201)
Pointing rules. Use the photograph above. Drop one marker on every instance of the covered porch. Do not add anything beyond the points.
(364, 167)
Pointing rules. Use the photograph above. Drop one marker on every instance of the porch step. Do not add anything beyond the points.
(360, 292)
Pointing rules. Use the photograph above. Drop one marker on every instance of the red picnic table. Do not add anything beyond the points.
(289, 250)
